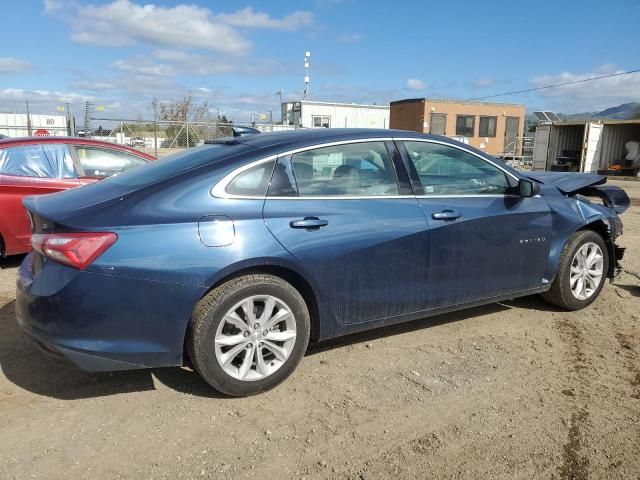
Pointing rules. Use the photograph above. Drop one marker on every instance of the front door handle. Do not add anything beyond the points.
(312, 223)
(446, 215)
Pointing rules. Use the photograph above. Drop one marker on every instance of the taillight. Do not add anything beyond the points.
(74, 249)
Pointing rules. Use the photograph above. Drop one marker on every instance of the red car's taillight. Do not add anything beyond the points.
(74, 249)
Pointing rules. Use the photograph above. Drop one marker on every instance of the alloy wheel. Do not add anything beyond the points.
(587, 269)
(255, 337)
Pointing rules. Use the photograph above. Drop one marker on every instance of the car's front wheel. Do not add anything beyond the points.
(582, 271)
(248, 335)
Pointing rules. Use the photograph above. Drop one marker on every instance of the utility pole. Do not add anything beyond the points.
(29, 133)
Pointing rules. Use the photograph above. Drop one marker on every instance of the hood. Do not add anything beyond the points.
(585, 184)
(567, 182)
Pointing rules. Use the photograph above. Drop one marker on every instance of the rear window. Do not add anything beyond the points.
(100, 162)
(176, 164)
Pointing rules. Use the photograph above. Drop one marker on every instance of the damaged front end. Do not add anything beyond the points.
(592, 194)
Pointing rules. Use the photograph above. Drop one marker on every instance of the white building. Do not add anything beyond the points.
(312, 114)
(16, 125)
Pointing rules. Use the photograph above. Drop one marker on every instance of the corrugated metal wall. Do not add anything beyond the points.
(613, 140)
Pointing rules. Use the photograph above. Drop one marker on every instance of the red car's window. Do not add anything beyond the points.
(98, 162)
(42, 161)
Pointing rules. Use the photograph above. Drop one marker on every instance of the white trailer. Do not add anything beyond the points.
(17, 125)
(588, 147)
(312, 114)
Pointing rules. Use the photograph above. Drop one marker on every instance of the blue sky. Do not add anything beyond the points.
(237, 55)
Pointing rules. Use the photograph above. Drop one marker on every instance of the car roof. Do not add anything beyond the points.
(305, 136)
(273, 143)
(17, 141)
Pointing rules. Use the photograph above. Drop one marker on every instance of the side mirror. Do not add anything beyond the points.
(528, 188)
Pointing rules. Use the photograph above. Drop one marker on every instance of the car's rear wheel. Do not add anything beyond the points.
(582, 271)
(248, 335)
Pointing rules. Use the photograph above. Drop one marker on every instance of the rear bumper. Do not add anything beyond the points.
(102, 322)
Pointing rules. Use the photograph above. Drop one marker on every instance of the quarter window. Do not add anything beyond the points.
(351, 170)
(487, 126)
(445, 170)
(253, 182)
(465, 125)
(99, 162)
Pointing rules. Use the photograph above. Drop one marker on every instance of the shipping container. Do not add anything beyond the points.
(589, 147)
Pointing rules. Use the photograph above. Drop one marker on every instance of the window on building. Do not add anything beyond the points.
(352, 170)
(488, 126)
(465, 125)
(321, 121)
(438, 124)
(445, 170)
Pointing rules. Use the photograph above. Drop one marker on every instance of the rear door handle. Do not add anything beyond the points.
(309, 223)
(446, 215)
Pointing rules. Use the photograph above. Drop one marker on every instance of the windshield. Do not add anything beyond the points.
(172, 165)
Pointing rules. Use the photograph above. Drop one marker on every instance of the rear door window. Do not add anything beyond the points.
(351, 170)
(100, 162)
(40, 161)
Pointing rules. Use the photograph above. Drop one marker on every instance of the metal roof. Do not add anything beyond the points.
(338, 104)
(455, 101)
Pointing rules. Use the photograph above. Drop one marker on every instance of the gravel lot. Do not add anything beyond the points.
(512, 390)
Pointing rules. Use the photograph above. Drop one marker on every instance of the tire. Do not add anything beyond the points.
(255, 360)
(561, 293)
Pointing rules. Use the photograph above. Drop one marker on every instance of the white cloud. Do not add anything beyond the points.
(248, 18)
(484, 82)
(92, 85)
(13, 65)
(123, 22)
(53, 6)
(588, 96)
(416, 84)
(195, 64)
(16, 98)
(350, 38)
(144, 67)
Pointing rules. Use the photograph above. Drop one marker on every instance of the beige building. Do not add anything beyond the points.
(492, 127)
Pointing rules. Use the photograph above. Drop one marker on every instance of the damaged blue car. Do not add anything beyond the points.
(233, 256)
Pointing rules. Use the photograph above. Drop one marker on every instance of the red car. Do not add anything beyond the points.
(35, 166)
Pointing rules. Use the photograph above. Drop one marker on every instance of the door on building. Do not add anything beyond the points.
(438, 124)
(511, 130)
(591, 148)
(541, 147)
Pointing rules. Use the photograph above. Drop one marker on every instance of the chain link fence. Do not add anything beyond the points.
(161, 137)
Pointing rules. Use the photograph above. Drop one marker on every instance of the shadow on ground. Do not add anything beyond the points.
(11, 262)
(27, 367)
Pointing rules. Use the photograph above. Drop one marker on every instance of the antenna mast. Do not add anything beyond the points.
(307, 56)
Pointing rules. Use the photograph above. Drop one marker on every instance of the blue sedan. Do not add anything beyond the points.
(233, 256)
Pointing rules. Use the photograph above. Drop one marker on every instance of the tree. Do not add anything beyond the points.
(183, 112)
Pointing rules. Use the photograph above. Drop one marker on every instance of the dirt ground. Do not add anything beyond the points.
(512, 390)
